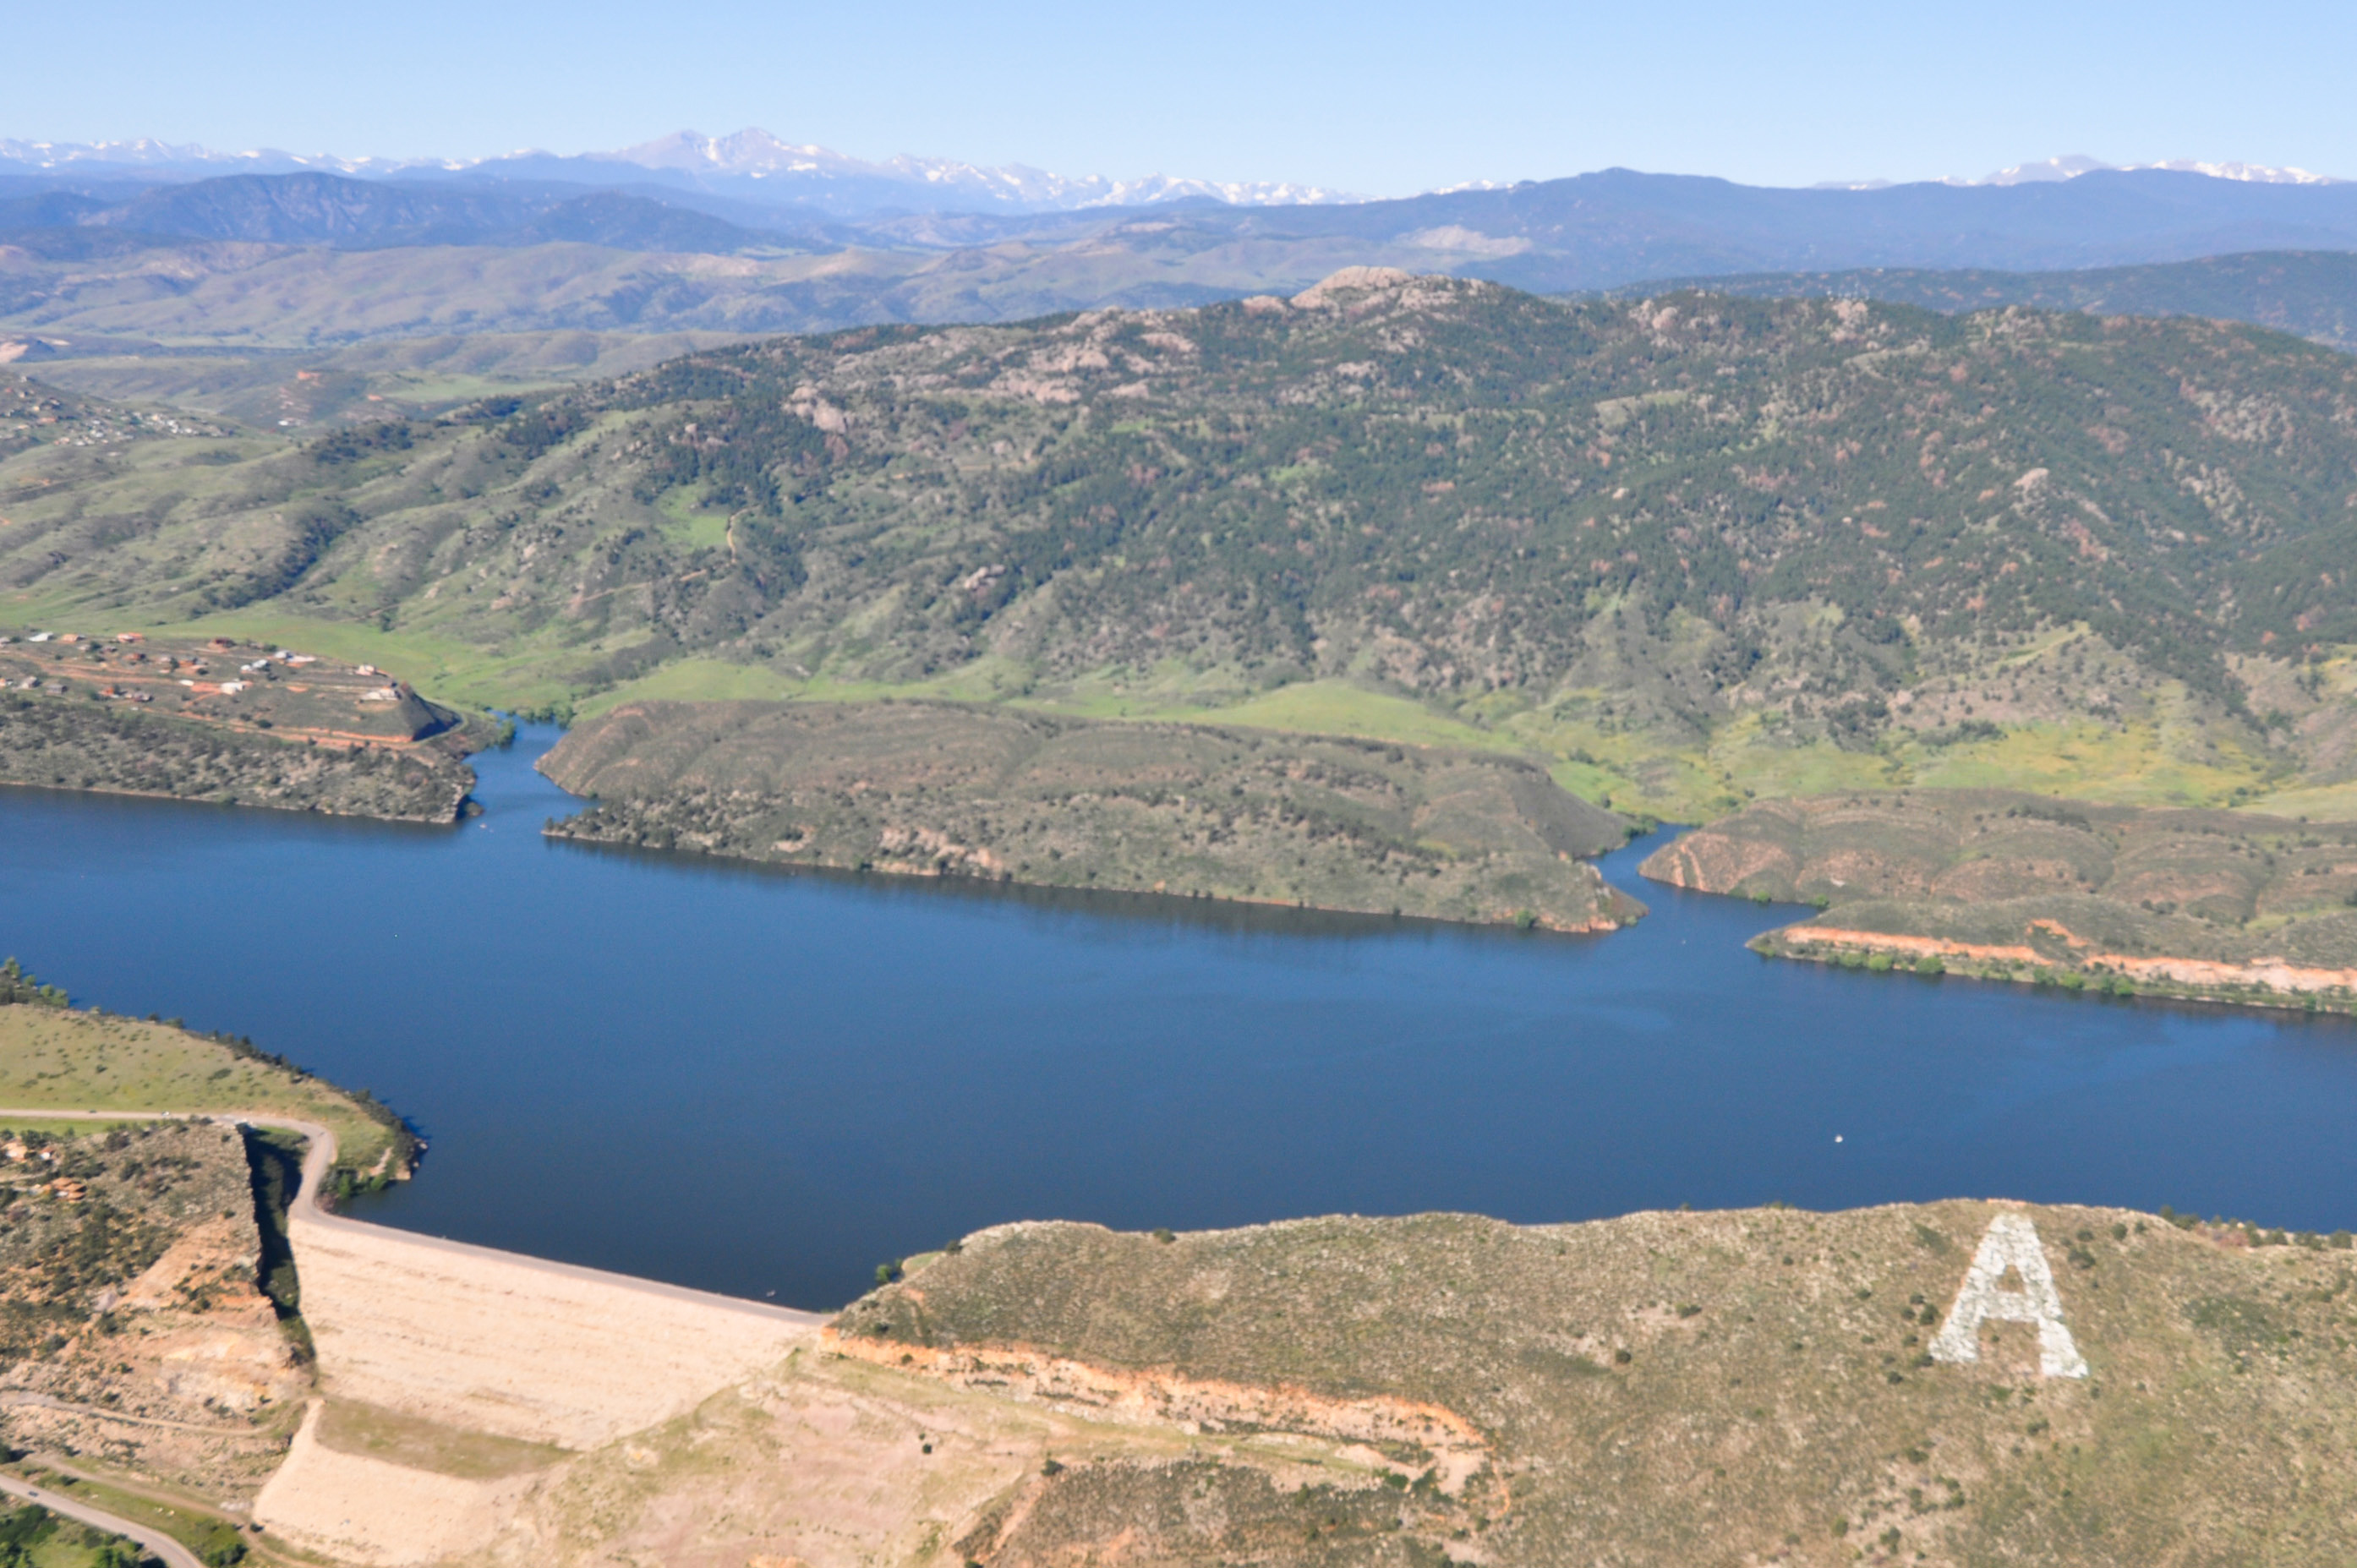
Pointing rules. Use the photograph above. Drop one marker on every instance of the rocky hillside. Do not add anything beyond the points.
(132, 1324)
(935, 790)
(1760, 1385)
(2221, 904)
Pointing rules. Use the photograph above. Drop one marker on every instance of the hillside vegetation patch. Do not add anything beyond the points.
(2234, 905)
(940, 790)
(1688, 545)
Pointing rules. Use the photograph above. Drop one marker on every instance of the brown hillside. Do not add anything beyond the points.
(1736, 1388)
(2215, 903)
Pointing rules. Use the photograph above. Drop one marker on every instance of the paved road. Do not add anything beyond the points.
(155, 1542)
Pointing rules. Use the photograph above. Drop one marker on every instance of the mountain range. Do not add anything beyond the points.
(2071, 166)
(418, 294)
(750, 164)
(1593, 230)
(753, 166)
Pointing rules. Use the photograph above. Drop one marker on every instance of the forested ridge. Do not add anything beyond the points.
(1478, 473)
(1651, 514)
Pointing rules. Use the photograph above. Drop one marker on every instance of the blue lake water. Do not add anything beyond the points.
(758, 1081)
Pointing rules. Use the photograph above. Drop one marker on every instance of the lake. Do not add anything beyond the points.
(765, 1082)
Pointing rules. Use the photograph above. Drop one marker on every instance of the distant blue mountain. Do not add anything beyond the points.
(333, 210)
(1600, 230)
(1596, 231)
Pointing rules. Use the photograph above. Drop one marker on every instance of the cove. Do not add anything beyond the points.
(766, 1082)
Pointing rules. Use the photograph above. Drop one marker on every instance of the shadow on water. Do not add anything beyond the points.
(766, 1080)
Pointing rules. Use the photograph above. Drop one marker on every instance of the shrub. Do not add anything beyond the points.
(15, 986)
(1931, 963)
(1880, 964)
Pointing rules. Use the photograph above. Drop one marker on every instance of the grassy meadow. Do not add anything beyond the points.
(56, 1058)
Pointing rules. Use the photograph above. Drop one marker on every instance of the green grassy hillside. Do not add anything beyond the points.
(1683, 549)
(935, 790)
(305, 390)
(53, 1057)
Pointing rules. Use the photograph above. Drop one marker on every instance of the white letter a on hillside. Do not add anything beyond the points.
(2011, 1241)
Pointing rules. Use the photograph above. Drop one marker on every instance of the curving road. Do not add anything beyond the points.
(153, 1542)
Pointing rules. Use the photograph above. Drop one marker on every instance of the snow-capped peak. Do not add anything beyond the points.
(755, 154)
(2071, 165)
(750, 162)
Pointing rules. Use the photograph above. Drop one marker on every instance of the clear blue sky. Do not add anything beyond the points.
(1374, 96)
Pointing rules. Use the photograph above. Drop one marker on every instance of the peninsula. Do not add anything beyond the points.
(223, 719)
(952, 790)
(2225, 905)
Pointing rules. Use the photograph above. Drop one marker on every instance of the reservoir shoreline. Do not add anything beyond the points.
(761, 1082)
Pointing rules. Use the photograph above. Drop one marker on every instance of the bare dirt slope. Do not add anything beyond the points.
(1952, 1383)
(940, 788)
(132, 1326)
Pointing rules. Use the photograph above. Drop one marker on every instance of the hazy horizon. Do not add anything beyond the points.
(171, 153)
(1375, 100)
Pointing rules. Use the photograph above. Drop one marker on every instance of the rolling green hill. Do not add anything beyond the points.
(1685, 548)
